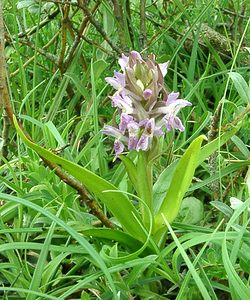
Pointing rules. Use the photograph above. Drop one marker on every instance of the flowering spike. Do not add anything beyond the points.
(145, 106)
(164, 68)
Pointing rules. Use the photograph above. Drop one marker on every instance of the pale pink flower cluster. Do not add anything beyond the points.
(145, 106)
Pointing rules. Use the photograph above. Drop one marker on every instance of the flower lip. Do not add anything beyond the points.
(147, 93)
(164, 68)
(125, 120)
(118, 147)
(118, 81)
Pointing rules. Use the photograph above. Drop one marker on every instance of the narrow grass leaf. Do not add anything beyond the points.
(82, 241)
(37, 276)
(241, 86)
(188, 262)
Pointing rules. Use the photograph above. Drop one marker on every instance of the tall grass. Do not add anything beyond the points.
(52, 246)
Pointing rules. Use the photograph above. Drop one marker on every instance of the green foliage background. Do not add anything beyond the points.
(58, 54)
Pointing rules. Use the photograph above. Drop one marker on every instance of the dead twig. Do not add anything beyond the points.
(72, 50)
(118, 13)
(43, 23)
(212, 159)
(64, 33)
(98, 26)
(143, 35)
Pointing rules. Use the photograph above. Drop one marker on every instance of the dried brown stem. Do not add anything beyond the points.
(5, 136)
(2, 58)
(5, 132)
(97, 45)
(143, 35)
(129, 22)
(118, 13)
(98, 26)
(33, 57)
(43, 23)
(212, 159)
(77, 40)
(64, 33)
(49, 56)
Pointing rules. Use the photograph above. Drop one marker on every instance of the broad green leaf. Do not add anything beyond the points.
(115, 235)
(191, 211)
(241, 86)
(98, 67)
(162, 184)
(214, 145)
(118, 203)
(241, 146)
(25, 3)
(180, 183)
(131, 169)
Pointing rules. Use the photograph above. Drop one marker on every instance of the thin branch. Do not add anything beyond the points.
(77, 40)
(43, 23)
(118, 13)
(33, 57)
(5, 136)
(97, 45)
(2, 58)
(143, 35)
(64, 33)
(240, 15)
(129, 22)
(49, 56)
(98, 26)
(6, 123)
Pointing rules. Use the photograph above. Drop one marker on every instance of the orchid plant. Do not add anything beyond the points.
(147, 111)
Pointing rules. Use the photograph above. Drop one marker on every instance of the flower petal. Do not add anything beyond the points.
(143, 143)
(132, 142)
(135, 56)
(122, 101)
(123, 61)
(164, 68)
(118, 147)
(118, 81)
(172, 97)
(112, 131)
(235, 202)
(125, 120)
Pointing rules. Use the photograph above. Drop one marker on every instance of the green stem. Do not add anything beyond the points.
(145, 186)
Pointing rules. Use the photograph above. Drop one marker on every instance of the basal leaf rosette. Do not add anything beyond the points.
(147, 110)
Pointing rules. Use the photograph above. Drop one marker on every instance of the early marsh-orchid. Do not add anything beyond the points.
(146, 107)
